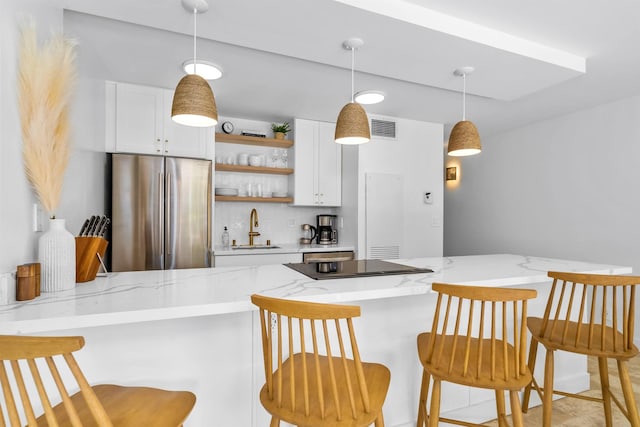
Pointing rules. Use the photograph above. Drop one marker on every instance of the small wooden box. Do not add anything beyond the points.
(28, 281)
(87, 261)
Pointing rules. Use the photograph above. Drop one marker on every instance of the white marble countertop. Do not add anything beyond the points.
(158, 295)
(286, 248)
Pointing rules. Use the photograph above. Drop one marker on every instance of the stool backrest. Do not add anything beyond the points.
(309, 331)
(592, 311)
(472, 318)
(25, 380)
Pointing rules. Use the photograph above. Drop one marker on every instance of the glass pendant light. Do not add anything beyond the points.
(352, 126)
(464, 139)
(193, 101)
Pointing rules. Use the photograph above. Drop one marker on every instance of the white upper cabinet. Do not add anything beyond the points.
(139, 121)
(317, 180)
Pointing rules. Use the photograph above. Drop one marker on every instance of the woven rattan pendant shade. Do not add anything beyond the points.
(352, 126)
(464, 139)
(193, 102)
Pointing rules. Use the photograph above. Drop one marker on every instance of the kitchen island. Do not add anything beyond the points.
(196, 329)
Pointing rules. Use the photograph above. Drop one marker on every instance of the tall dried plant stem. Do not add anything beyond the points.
(46, 79)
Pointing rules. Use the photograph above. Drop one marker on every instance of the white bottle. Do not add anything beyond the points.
(225, 237)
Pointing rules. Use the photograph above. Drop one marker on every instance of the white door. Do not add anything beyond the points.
(329, 164)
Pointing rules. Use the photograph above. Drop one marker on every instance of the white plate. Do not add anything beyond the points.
(226, 191)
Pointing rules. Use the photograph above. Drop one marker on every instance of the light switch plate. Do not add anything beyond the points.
(37, 217)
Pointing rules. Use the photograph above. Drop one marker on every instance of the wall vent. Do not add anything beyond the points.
(384, 252)
(383, 128)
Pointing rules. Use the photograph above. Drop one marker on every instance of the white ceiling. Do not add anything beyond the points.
(284, 59)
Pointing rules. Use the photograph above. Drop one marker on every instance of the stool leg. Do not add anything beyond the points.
(424, 395)
(533, 352)
(627, 389)
(501, 409)
(547, 396)
(434, 410)
(275, 422)
(606, 391)
(516, 409)
(379, 420)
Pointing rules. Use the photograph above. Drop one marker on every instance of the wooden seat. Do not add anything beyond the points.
(470, 344)
(38, 372)
(591, 314)
(314, 375)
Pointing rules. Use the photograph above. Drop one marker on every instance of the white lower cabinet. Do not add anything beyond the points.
(317, 180)
(139, 121)
(257, 259)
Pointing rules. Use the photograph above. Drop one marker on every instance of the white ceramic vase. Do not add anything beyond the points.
(57, 257)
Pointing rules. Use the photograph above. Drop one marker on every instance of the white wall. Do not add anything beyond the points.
(566, 188)
(416, 154)
(83, 188)
(17, 242)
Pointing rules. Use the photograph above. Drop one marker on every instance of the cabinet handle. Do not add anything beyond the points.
(166, 140)
(158, 140)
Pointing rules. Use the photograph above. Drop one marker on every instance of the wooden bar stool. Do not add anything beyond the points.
(469, 344)
(591, 314)
(314, 375)
(23, 366)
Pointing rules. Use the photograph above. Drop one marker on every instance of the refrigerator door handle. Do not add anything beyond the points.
(169, 207)
(160, 208)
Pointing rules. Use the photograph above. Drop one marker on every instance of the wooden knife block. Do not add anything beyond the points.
(87, 261)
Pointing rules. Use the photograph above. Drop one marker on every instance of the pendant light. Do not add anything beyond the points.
(352, 126)
(464, 139)
(193, 101)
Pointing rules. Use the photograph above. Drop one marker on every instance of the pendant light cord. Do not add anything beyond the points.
(464, 95)
(353, 61)
(195, 26)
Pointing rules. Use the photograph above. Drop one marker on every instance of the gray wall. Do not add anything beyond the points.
(566, 187)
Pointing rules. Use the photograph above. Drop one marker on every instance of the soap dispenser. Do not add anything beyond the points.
(225, 237)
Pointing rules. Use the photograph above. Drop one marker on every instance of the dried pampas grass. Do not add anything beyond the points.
(46, 79)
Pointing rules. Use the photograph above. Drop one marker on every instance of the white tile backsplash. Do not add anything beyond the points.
(279, 222)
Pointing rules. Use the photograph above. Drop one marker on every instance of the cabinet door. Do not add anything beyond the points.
(329, 166)
(304, 155)
(138, 119)
(181, 140)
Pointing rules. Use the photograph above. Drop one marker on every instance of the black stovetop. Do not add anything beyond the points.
(355, 268)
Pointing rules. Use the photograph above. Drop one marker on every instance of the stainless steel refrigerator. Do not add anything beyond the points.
(161, 213)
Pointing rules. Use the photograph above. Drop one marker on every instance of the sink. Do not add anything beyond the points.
(255, 247)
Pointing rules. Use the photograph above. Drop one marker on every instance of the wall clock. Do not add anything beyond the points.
(227, 127)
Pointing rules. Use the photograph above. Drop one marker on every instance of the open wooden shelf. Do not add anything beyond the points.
(253, 140)
(254, 199)
(253, 169)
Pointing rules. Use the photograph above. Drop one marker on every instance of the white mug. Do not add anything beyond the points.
(243, 159)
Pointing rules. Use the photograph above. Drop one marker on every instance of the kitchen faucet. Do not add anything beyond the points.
(253, 222)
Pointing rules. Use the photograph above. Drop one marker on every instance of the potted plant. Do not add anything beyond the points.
(280, 130)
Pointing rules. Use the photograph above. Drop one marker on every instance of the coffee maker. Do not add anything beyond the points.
(327, 229)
